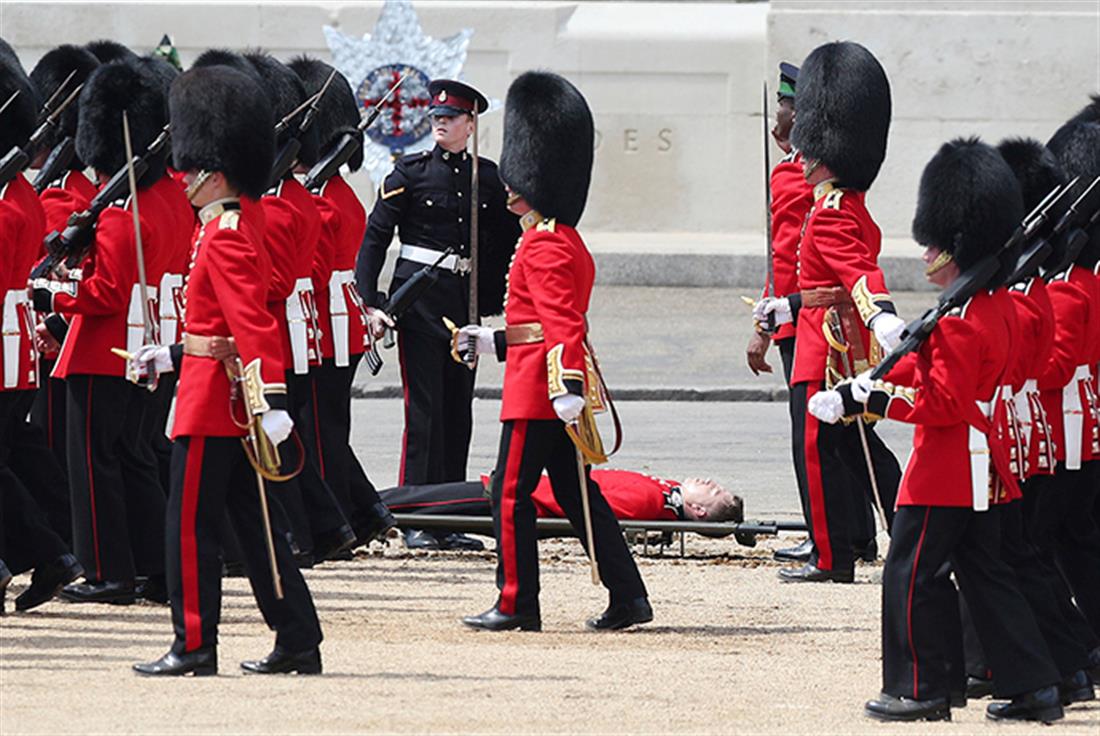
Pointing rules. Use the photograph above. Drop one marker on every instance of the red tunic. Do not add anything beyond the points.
(225, 295)
(73, 194)
(792, 199)
(346, 222)
(102, 304)
(1073, 326)
(22, 227)
(962, 362)
(840, 247)
(172, 263)
(632, 496)
(550, 282)
(1035, 342)
(321, 271)
(291, 234)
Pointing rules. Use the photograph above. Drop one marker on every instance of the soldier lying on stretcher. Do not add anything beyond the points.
(632, 496)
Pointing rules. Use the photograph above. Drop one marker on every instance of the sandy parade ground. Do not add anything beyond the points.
(731, 650)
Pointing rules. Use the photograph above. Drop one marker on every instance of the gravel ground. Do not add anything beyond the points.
(731, 650)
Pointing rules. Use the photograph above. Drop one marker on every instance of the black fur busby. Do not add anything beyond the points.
(286, 91)
(843, 112)
(969, 203)
(19, 118)
(1090, 113)
(107, 51)
(1077, 147)
(1035, 167)
(222, 121)
(338, 112)
(112, 88)
(548, 145)
(48, 74)
(1038, 172)
(164, 72)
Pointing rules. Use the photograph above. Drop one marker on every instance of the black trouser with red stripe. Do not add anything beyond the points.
(1065, 532)
(26, 539)
(920, 609)
(211, 475)
(1036, 582)
(117, 502)
(48, 410)
(833, 474)
(329, 435)
(438, 417)
(467, 498)
(308, 500)
(36, 465)
(527, 446)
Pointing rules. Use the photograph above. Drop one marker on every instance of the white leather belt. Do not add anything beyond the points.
(135, 316)
(979, 453)
(1073, 412)
(338, 314)
(17, 309)
(171, 288)
(427, 256)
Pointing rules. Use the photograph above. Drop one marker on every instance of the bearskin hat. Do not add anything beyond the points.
(48, 75)
(222, 121)
(548, 145)
(164, 72)
(843, 112)
(286, 91)
(107, 51)
(112, 88)
(968, 204)
(1077, 147)
(338, 112)
(1035, 167)
(1090, 113)
(19, 119)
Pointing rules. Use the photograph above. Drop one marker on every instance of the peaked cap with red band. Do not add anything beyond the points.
(450, 97)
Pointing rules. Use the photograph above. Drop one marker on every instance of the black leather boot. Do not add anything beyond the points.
(1077, 688)
(892, 708)
(495, 620)
(1044, 704)
(47, 581)
(621, 615)
(119, 592)
(798, 553)
(281, 661)
(200, 663)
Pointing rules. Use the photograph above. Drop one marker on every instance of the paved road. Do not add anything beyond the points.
(743, 445)
(661, 338)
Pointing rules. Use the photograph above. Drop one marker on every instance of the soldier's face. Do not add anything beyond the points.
(705, 500)
(784, 121)
(452, 131)
(940, 275)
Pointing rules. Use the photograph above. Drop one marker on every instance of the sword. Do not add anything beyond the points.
(149, 332)
(47, 108)
(582, 477)
(470, 356)
(769, 261)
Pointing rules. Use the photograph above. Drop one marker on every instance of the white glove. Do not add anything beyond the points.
(828, 406)
(157, 356)
(277, 425)
(378, 321)
(781, 308)
(861, 387)
(888, 328)
(482, 335)
(568, 407)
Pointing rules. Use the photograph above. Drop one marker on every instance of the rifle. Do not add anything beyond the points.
(77, 236)
(19, 157)
(401, 301)
(969, 283)
(59, 160)
(1055, 204)
(348, 145)
(1074, 227)
(288, 154)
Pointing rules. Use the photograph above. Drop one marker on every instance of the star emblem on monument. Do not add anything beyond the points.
(374, 63)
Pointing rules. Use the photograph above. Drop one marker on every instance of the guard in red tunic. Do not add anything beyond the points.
(222, 137)
(1067, 526)
(547, 165)
(340, 309)
(841, 130)
(1064, 629)
(969, 204)
(117, 501)
(26, 538)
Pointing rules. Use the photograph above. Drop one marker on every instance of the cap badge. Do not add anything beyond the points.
(443, 95)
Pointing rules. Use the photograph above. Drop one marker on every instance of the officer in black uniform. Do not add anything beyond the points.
(427, 199)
